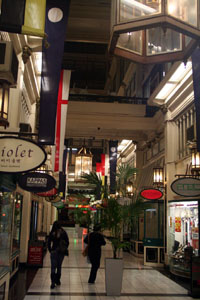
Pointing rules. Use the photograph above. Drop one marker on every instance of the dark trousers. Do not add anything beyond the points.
(94, 269)
(56, 263)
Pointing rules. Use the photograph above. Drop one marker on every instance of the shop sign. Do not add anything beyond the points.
(59, 204)
(50, 193)
(19, 155)
(186, 186)
(35, 255)
(36, 182)
(53, 199)
(151, 194)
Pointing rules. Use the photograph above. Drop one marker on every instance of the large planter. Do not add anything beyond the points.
(113, 276)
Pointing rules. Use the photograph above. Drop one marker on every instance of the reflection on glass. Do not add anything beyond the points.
(185, 10)
(131, 41)
(159, 41)
(132, 9)
(154, 221)
(17, 222)
(5, 228)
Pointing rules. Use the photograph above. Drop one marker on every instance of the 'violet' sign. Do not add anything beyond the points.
(18, 155)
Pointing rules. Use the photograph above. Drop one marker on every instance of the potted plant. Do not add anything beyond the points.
(113, 217)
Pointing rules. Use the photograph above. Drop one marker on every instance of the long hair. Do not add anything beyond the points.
(56, 226)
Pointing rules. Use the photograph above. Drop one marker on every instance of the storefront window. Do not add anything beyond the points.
(183, 236)
(6, 200)
(17, 222)
(154, 224)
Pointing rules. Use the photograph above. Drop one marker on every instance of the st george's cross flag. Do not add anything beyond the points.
(23, 16)
(62, 104)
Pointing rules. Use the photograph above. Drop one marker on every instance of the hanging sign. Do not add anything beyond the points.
(53, 199)
(19, 155)
(186, 186)
(50, 193)
(151, 194)
(59, 204)
(36, 182)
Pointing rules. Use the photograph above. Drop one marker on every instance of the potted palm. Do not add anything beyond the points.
(113, 217)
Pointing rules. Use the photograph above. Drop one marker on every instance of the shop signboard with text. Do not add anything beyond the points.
(151, 194)
(186, 187)
(36, 182)
(19, 155)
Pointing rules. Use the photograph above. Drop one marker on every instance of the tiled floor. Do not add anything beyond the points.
(139, 282)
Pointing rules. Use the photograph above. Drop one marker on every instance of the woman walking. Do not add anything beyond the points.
(56, 255)
(94, 240)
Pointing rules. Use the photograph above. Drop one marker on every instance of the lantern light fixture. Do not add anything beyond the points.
(83, 162)
(158, 178)
(4, 100)
(195, 160)
(129, 188)
(153, 31)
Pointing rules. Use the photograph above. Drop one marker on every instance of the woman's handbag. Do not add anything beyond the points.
(63, 247)
(85, 251)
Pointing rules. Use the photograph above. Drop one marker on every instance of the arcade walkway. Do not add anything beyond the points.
(139, 282)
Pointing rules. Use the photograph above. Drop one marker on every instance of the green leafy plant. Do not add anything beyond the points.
(124, 173)
(95, 180)
(115, 216)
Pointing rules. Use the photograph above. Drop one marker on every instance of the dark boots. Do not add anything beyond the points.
(53, 281)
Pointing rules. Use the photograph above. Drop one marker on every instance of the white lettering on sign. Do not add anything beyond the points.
(32, 181)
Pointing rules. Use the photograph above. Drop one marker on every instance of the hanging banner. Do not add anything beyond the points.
(23, 16)
(113, 165)
(177, 224)
(196, 86)
(55, 28)
(19, 155)
(62, 104)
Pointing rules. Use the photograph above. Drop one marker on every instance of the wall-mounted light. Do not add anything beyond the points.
(83, 163)
(129, 188)
(195, 160)
(158, 177)
(4, 100)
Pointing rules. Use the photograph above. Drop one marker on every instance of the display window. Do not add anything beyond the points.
(183, 235)
(6, 200)
(17, 214)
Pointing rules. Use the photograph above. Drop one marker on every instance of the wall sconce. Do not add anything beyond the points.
(129, 188)
(158, 176)
(4, 100)
(83, 163)
(195, 160)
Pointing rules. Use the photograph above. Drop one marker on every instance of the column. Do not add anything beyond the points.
(184, 136)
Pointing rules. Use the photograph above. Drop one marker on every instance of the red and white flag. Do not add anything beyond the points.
(62, 104)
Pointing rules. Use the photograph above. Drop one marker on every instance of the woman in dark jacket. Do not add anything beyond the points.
(94, 240)
(57, 233)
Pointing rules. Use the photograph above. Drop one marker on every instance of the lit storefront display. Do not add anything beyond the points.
(183, 235)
